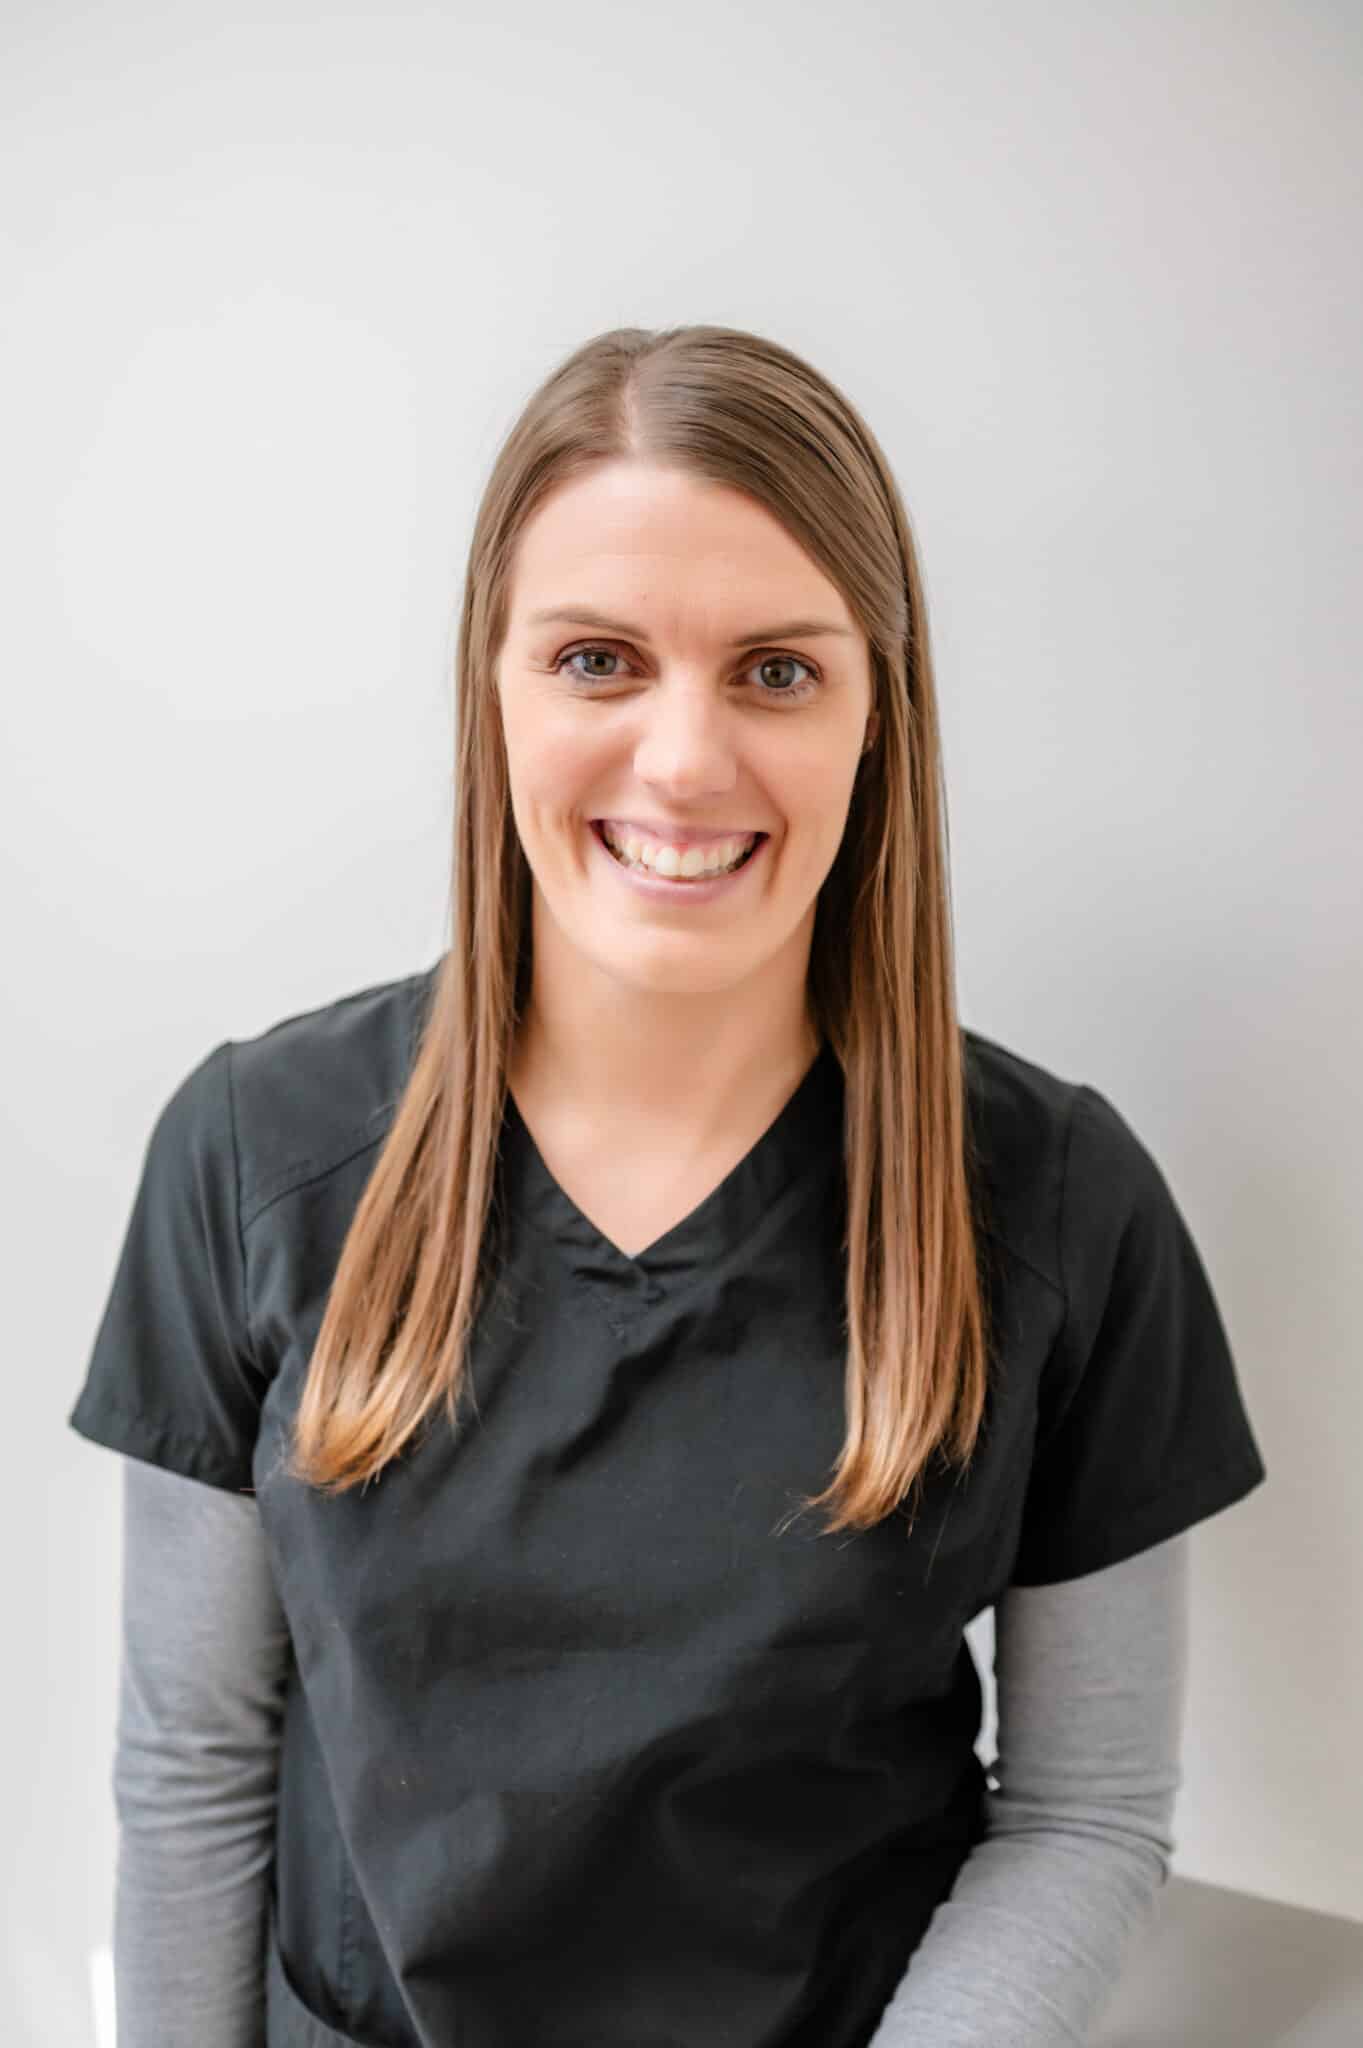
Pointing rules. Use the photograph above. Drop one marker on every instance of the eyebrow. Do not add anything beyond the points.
(583, 615)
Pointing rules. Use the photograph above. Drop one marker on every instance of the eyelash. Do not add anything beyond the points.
(798, 694)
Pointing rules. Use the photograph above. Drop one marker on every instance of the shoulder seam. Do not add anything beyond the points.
(257, 1195)
(236, 1204)
(304, 1171)
(1005, 1244)
(1072, 1120)
(1055, 1285)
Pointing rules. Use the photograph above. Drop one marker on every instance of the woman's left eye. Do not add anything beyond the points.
(794, 692)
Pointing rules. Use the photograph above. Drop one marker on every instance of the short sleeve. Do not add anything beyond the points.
(1141, 1427)
(172, 1378)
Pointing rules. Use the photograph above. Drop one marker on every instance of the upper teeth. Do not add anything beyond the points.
(674, 860)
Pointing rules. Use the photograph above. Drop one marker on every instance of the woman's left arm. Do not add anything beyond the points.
(1027, 1948)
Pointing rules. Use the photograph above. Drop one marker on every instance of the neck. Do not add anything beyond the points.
(621, 1061)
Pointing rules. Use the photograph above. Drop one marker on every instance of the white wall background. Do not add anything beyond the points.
(276, 281)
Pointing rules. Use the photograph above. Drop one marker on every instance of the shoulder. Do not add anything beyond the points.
(1047, 1151)
(314, 1088)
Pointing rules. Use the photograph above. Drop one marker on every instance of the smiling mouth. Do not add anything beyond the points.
(705, 874)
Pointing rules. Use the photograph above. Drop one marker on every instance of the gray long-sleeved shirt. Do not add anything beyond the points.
(1024, 1953)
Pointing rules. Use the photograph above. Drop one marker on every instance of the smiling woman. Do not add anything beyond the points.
(674, 740)
(672, 1208)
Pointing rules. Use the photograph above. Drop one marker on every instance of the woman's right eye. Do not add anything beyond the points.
(572, 655)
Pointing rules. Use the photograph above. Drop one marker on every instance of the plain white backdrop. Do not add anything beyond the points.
(276, 281)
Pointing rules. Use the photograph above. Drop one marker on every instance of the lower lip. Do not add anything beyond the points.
(662, 890)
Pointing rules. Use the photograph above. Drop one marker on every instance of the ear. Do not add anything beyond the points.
(872, 728)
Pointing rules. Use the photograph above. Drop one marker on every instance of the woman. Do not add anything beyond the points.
(502, 1664)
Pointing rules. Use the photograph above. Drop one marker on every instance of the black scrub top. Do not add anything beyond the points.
(579, 1746)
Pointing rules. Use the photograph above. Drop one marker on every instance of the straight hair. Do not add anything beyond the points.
(420, 1254)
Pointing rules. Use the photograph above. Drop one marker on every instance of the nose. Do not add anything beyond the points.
(686, 740)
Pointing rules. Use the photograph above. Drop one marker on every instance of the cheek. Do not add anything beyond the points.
(818, 828)
(551, 762)
(816, 804)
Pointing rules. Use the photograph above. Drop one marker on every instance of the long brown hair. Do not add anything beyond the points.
(729, 407)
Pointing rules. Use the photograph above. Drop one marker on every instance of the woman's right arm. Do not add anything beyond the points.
(205, 1658)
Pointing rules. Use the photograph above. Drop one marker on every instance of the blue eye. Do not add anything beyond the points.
(797, 693)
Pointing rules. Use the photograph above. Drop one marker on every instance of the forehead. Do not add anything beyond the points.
(640, 537)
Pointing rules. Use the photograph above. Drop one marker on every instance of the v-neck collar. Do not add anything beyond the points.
(804, 1137)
